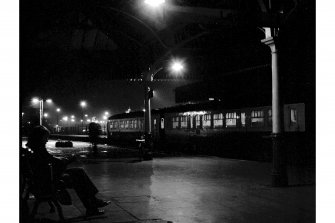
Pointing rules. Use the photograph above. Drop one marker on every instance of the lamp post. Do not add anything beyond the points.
(46, 115)
(83, 105)
(105, 123)
(176, 66)
(65, 119)
(57, 110)
(40, 101)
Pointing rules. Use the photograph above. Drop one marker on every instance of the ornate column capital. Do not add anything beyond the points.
(271, 42)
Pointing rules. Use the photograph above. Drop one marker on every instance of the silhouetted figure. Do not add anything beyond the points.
(75, 178)
(93, 133)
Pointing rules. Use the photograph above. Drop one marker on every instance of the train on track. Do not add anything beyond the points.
(211, 128)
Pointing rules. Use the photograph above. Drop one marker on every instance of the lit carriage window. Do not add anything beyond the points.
(293, 116)
(207, 121)
(121, 124)
(175, 122)
(183, 122)
(191, 121)
(130, 124)
(231, 119)
(243, 119)
(198, 121)
(126, 124)
(218, 120)
(257, 118)
(116, 124)
(135, 124)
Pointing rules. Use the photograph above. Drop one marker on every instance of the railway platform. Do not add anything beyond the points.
(190, 190)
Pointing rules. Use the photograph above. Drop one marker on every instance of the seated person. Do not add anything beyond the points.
(75, 178)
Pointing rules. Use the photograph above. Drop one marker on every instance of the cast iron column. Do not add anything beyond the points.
(279, 171)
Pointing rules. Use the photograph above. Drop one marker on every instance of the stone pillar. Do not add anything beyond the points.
(279, 171)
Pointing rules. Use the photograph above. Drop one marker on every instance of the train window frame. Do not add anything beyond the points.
(162, 123)
(191, 121)
(183, 122)
(140, 123)
(243, 119)
(270, 116)
(231, 119)
(257, 118)
(217, 118)
(206, 122)
(175, 122)
(293, 116)
(198, 121)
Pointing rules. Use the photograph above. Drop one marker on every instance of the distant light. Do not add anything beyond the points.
(106, 113)
(58, 109)
(154, 3)
(143, 110)
(211, 99)
(22, 113)
(28, 122)
(83, 104)
(88, 120)
(35, 100)
(104, 117)
(65, 118)
(86, 115)
(49, 100)
(81, 120)
(45, 115)
(72, 116)
(72, 120)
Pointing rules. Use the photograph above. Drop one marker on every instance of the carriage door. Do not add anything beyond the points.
(198, 123)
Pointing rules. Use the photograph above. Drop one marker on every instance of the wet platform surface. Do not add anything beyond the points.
(189, 189)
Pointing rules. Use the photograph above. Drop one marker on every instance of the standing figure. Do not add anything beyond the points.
(93, 133)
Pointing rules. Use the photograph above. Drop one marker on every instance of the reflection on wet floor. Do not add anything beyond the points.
(85, 150)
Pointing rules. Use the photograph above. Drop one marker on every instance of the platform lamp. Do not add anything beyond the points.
(40, 102)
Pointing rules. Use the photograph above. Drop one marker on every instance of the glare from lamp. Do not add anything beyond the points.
(154, 3)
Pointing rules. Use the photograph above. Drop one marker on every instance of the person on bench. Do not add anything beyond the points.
(75, 178)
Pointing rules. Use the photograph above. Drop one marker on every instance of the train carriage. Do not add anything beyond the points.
(207, 127)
